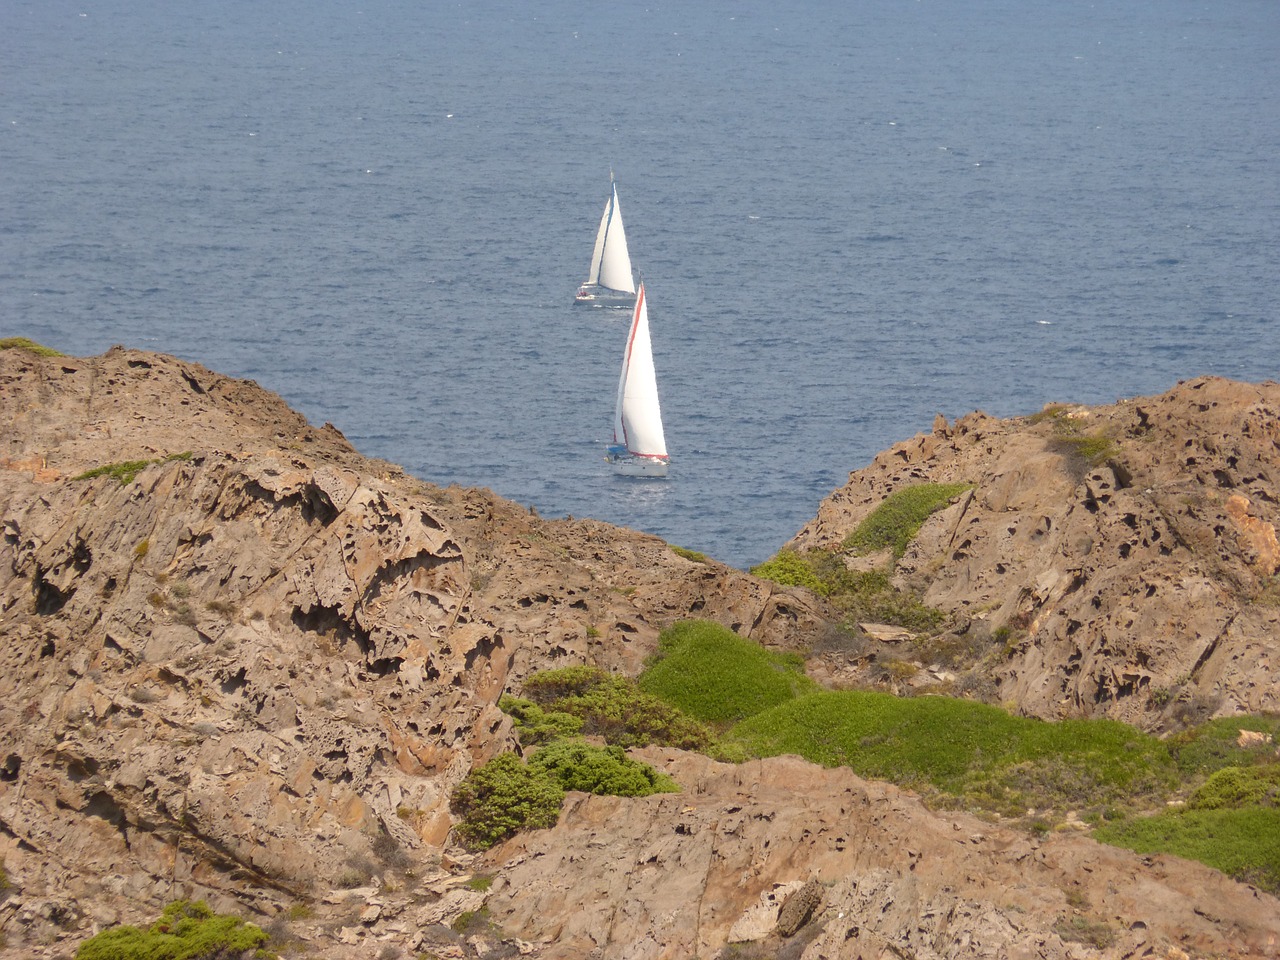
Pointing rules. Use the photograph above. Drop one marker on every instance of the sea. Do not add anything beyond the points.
(849, 217)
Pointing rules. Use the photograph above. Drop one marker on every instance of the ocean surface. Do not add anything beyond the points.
(849, 218)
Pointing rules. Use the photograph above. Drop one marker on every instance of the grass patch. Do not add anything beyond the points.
(1244, 843)
(29, 345)
(899, 517)
(126, 471)
(977, 754)
(717, 677)
(859, 595)
(186, 930)
(1092, 448)
(1217, 744)
(693, 555)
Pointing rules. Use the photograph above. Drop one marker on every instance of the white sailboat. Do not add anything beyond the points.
(639, 448)
(609, 282)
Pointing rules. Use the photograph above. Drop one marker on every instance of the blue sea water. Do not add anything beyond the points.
(849, 218)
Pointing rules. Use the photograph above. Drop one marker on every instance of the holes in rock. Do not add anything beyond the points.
(9, 769)
(328, 622)
(235, 682)
(49, 599)
(48, 649)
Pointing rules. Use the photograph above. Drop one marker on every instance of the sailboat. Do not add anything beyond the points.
(639, 448)
(609, 282)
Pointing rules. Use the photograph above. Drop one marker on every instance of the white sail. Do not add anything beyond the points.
(609, 280)
(638, 419)
(615, 261)
(597, 254)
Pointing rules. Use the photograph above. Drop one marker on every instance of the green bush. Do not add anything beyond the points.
(1234, 787)
(900, 516)
(717, 677)
(576, 765)
(615, 708)
(503, 797)
(185, 931)
(791, 569)
(870, 596)
(535, 725)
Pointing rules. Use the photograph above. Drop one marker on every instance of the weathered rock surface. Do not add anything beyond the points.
(259, 668)
(1141, 586)
(254, 674)
(879, 876)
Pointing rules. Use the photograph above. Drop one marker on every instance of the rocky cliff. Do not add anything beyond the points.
(1117, 561)
(244, 663)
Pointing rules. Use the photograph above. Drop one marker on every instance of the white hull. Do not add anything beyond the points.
(640, 467)
(598, 296)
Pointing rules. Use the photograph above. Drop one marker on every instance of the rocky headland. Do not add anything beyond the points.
(243, 663)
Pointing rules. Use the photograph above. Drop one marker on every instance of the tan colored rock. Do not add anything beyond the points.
(1139, 586)
(677, 875)
(255, 673)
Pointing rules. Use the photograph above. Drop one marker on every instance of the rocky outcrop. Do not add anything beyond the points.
(785, 858)
(1117, 561)
(258, 669)
(252, 666)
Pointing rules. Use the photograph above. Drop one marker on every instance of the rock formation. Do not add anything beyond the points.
(249, 665)
(1117, 561)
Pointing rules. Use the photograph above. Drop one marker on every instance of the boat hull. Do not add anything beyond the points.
(594, 295)
(632, 466)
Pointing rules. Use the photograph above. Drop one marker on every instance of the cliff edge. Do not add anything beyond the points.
(243, 663)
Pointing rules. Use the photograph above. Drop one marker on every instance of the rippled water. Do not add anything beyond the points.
(849, 218)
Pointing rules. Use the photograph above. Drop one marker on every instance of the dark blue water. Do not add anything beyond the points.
(849, 217)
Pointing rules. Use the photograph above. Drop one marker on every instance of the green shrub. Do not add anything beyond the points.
(576, 765)
(1234, 787)
(790, 569)
(185, 931)
(870, 596)
(717, 677)
(503, 797)
(615, 708)
(899, 518)
(1244, 844)
(535, 725)
(29, 345)
(1216, 744)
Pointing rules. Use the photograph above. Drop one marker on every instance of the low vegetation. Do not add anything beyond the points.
(868, 595)
(186, 930)
(963, 754)
(24, 343)
(126, 471)
(717, 677)
(592, 702)
(899, 518)
(710, 690)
